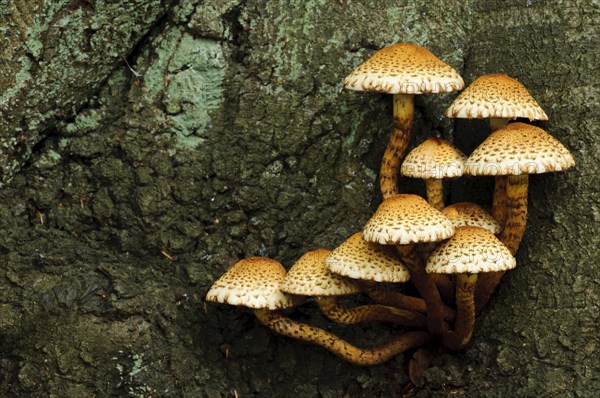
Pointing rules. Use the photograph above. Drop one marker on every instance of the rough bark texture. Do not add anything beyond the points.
(127, 191)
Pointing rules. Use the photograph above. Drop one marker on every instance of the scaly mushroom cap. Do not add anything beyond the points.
(309, 277)
(467, 214)
(359, 259)
(434, 158)
(405, 218)
(404, 68)
(518, 149)
(252, 282)
(495, 96)
(470, 250)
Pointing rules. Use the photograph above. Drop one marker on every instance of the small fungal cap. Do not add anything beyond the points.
(309, 277)
(518, 149)
(467, 214)
(252, 282)
(471, 250)
(404, 68)
(434, 158)
(495, 96)
(405, 218)
(359, 259)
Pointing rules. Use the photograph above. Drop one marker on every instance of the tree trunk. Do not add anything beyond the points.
(147, 145)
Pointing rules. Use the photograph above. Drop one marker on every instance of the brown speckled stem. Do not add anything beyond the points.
(392, 157)
(499, 204)
(511, 235)
(364, 313)
(435, 192)
(358, 356)
(426, 287)
(465, 313)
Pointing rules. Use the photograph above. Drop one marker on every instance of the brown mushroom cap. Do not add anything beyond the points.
(404, 68)
(434, 158)
(518, 149)
(309, 277)
(358, 259)
(467, 214)
(252, 282)
(470, 250)
(405, 218)
(495, 96)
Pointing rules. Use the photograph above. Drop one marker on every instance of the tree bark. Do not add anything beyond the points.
(146, 146)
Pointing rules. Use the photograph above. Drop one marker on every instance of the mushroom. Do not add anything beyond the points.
(516, 150)
(466, 214)
(369, 263)
(309, 277)
(433, 160)
(499, 98)
(402, 69)
(472, 250)
(254, 283)
(404, 220)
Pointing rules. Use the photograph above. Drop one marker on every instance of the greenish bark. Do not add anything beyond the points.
(126, 194)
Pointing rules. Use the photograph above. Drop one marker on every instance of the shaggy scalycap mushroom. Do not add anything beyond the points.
(518, 149)
(471, 250)
(358, 259)
(434, 158)
(252, 282)
(405, 218)
(308, 276)
(404, 68)
(467, 214)
(495, 96)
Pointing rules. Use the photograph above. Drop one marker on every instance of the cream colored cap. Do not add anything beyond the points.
(252, 282)
(309, 277)
(495, 96)
(470, 250)
(434, 158)
(517, 149)
(404, 68)
(467, 214)
(359, 259)
(405, 218)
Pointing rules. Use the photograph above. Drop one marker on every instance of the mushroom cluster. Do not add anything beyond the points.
(454, 255)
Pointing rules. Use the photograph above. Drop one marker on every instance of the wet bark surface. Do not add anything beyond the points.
(146, 146)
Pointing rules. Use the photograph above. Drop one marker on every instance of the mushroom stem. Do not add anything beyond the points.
(364, 313)
(426, 287)
(402, 128)
(358, 356)
(499, 204)
(465, 313)
(403, 301)
(511, 235)
(435, 192)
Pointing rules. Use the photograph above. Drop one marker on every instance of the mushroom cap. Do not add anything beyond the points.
(466, 214)
(309, 277)
(252, 282)
(358, 259)
(470, 250)
(517, 149)
(495, 96)
(404, 68)
(434, 158)
(406, 218)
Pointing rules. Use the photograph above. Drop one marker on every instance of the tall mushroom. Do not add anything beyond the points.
(499, 98)
(402, 69)
(309, 277)
(404, 220)
(516, 150)
(433, 160)
(472, 250)
(254, 283)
